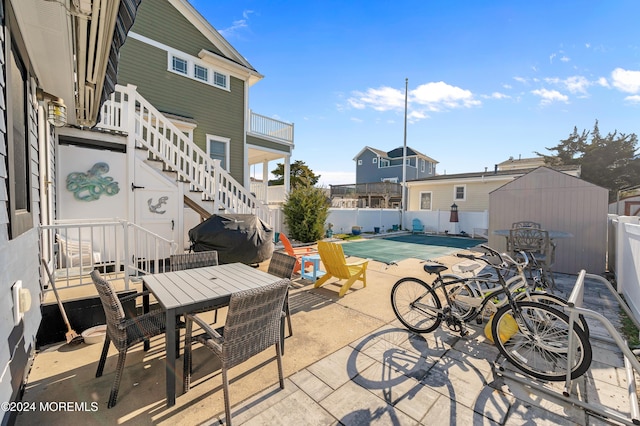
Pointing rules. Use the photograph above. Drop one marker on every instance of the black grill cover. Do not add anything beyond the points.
(241, 238)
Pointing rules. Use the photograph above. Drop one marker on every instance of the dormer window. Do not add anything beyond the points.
(179, 65)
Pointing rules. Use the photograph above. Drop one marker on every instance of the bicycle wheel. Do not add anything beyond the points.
(460, 296)
(536, 340)
(558, 303)
(416, 305)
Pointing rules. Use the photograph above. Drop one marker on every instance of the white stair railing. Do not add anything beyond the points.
(128, 111)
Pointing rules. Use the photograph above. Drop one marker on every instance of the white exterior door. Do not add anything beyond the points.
(157, 202)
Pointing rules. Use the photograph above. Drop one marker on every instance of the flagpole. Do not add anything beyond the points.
(404, 156)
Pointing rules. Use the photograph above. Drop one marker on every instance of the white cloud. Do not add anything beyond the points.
(237, 25)
(553, 55)
(634, 99)
(440, 94)
(625, 80)
(549, 96)
(587, 45)
(520, 80)
(577, 84)
(565, 59)
(356, 120)
(427, 97)
(381, 99)
(335, 178)
(498, 95)
(602, 81)
(507, 86)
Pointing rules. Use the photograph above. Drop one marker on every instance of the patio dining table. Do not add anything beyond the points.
(193, 290)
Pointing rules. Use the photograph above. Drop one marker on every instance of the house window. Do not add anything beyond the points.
(459, 193)
(425, 200)
(359, 162)
(179, 65)
(375, 160)
(201, 73)
(218, 149)
(422, 165)
(219, 79)
(384, 163)
(391, 180)
(19, 176)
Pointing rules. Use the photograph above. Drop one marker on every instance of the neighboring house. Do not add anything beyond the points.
(46, 78)
(178, 130)
(374, 165)
(379, 178)
(520, 163)
(431, 199)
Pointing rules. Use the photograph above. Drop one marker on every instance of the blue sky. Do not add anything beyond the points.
(487, 79)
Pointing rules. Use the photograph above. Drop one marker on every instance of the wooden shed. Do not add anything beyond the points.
(559, 202)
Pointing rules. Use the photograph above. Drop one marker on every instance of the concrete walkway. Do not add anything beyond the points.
(348, 362)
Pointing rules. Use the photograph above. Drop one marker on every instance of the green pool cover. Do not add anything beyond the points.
(394, 249)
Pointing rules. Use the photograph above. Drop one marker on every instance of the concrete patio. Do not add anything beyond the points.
(348, 362)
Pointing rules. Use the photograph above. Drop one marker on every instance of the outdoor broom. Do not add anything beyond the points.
(71, 335)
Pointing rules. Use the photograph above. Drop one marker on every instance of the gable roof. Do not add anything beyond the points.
(561, 174)
(394, 153)
(207, 30)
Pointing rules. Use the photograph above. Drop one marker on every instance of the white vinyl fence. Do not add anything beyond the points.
(624, 258)
(434, 221)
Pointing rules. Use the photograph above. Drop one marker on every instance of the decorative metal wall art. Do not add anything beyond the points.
(91, 185)
(155, 208)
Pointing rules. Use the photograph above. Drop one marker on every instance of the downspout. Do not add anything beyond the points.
(247, 117)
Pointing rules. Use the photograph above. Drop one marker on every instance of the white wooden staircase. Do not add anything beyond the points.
(209, 188)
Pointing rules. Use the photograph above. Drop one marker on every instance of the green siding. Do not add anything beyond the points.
(216, 111)
(253, 140)
(160, 21)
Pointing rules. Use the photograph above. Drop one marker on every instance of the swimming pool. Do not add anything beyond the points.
(393, 249)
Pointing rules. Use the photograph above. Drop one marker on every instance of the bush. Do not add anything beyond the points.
(305, 211)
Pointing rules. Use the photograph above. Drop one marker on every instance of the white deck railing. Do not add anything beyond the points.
(74, 248)
(270, 127)
(127, 111)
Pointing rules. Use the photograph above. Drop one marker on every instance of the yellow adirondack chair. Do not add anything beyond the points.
(334, 262)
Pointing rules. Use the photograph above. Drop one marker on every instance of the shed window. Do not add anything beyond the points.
(459, 193)
(359, 162)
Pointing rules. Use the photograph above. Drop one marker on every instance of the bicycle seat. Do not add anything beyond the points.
(434, 269)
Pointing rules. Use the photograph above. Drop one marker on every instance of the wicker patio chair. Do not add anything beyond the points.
(123, 332)
(535, 242)
(281, 265)
(199, 259)
(252, 326)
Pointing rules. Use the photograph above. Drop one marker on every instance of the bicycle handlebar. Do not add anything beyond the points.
(504, 258)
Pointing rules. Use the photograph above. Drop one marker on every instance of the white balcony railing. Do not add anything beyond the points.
(264, 126)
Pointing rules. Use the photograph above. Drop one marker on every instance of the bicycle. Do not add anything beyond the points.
(532, 335)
